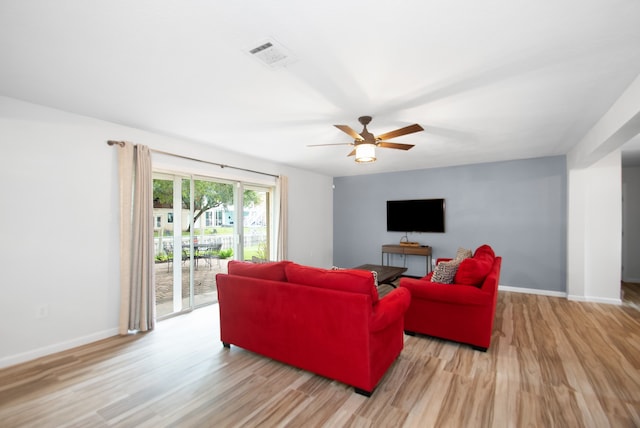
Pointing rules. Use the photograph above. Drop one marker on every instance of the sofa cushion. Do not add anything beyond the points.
(352, 280)
(373, 272)
(273, 271)
(474, 270)
(427, 277)
(445, 271)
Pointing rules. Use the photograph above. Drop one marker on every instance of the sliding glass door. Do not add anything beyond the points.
(194, 239)
(201, 224)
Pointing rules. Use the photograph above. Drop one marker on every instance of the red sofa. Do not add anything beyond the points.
(462, 311)
(329, 322)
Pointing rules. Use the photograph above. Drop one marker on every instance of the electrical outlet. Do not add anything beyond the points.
(42, 311)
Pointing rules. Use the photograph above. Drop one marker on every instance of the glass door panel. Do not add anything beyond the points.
(213, 236)
(256, 223)
(166, 255)
(188, 258)
(172, 228)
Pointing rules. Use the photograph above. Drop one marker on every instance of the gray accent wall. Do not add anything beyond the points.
(518, 207)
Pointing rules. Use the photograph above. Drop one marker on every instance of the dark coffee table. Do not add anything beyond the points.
(386, 274)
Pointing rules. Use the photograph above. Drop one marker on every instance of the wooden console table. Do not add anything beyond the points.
(407, 250)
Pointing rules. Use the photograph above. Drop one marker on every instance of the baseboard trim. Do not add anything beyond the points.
(56, 347)
(587, 299)
(634, 280)
(532, 291)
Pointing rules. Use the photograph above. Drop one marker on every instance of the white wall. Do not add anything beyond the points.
(631, 226)
(59, 253)
(595, 207)
(595, 210)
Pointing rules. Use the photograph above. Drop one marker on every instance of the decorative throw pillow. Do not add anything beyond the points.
(445, 271)
(474, 270)
(463, 253)
(485, 250)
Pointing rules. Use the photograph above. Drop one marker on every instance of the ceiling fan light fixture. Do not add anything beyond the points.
(365, 143)
(365, 153)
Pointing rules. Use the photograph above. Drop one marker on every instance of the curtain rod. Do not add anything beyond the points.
(121, 144)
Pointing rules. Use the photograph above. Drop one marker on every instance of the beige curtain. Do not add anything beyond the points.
(283, 217)
(137, 291)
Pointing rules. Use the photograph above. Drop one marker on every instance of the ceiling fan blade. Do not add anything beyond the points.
(402, 131)
(331, 144)
(388, 145)
(348, 130)
(353, 152)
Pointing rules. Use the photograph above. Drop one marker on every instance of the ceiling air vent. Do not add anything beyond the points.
(273, 54)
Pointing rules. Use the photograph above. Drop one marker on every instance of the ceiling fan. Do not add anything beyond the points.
(365, 143)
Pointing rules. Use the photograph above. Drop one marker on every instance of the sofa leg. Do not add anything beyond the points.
(363, 392)
(410, 333)
(479, 348)
(226, 345)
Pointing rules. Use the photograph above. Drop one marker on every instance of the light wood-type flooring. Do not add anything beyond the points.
(552, 363)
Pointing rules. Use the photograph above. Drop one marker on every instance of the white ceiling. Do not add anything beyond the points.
(488, 79)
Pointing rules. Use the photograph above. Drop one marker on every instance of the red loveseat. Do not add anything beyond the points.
(462, 311)
(329, 322)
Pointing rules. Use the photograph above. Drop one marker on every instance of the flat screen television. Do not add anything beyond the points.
(416, 215)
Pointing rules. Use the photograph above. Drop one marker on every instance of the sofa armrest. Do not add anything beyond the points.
(450, 293)
(390, 308)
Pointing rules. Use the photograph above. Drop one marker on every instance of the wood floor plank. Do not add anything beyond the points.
(431, 402)
(552, 362)
(321, 407)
